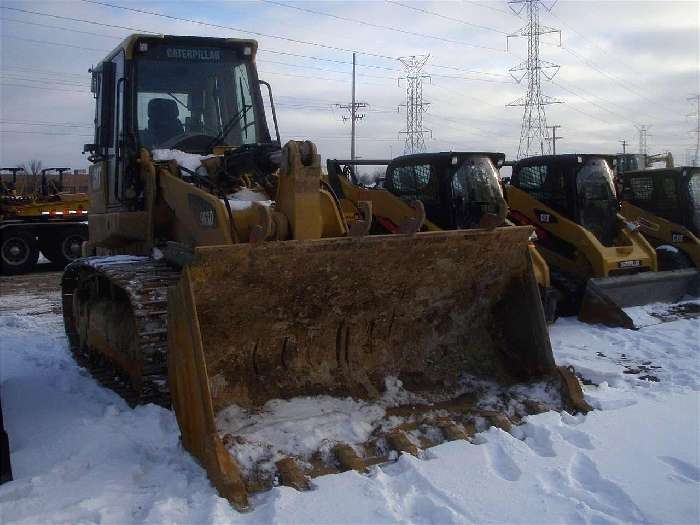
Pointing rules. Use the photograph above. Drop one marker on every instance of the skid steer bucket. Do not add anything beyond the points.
(412, 329)
(635, 301)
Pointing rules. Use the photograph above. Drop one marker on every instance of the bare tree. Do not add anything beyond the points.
(32, 176)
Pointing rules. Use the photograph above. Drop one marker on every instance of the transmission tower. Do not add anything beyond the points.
(352, 108)
(534, 135)
(415, 105)
(695, 156)
(643, 136)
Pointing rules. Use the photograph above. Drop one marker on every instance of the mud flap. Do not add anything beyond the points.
(251, 323)
(606, 298)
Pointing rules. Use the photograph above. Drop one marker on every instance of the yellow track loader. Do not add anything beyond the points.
(598, 257)
(665, 203)
(434, 192)
(222, 279)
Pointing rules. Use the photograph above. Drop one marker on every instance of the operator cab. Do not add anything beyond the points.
(457, 188)
(191, 94)
(670, 193)
(580, 187)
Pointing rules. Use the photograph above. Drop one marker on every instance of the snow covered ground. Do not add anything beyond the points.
(81, 455)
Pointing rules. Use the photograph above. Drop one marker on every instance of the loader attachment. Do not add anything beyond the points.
(635, 301)
(415, 338)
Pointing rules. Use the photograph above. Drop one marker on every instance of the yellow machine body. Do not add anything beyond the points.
(591, 258)
(195, 301)
(659, 231)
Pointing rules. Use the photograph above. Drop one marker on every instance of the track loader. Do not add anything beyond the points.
(452, 190)
(665, 203)
(598, 257)
(222, 279)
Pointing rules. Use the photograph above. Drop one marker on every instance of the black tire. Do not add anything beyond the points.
(671, 258)
(64, 247)
(19, 251)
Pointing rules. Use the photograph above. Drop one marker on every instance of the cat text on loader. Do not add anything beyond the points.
(665, 203)
(571, 200)
(454, 190)
(226, 284)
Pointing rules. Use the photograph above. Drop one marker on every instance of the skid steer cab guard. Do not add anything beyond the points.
(253, 323)
(665, 203)
(571, 200)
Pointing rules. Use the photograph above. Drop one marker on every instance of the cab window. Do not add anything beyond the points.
(414, 182)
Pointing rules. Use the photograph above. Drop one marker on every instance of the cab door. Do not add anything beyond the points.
(115, 148)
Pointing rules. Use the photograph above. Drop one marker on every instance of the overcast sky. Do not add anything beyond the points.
(623, 64)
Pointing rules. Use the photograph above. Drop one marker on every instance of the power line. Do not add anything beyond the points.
(415, 105)
(352, 109)
(379, 26)
(695, 99)
(141, 30)
(59, 28)
(533, 128)
(237, 29)
(643, 136)
(445, 17)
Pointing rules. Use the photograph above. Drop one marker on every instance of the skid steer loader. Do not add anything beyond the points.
(222, 279)
(456, 190)
(665, 203)
(598, 257)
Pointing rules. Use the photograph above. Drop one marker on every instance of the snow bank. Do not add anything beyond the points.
(81, 455)
(655, 313)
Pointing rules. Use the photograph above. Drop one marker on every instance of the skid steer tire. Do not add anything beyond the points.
(671, 258)
(65, 247)
(19, 251)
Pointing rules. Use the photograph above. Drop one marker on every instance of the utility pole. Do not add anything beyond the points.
(415, 105)
(533, 129)
(554, 138)
(643, 136)
(695, 99)
(352, 108)
(624, 146)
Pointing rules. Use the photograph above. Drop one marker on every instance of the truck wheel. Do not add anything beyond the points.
(19, 251)
(65, 247)
(671, 258)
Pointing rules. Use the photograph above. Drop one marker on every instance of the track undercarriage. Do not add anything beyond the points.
(115, 314)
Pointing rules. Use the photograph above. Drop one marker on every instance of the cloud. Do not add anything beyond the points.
(623, 63)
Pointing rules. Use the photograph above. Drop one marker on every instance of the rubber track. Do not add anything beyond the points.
(145, 282)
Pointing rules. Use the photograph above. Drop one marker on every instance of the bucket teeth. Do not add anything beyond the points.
(451, 430)
(348, 458)
(291, 474)
(398, 440)
(498, 419)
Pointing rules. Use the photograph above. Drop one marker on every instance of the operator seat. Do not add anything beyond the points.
(163, 121)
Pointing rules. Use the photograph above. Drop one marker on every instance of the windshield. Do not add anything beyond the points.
(694, 191)
(476, 191)
(194, 98)
(597, 200)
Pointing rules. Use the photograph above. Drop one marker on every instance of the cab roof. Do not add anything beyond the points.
(129, 43)
(446, 156)
(564, 159)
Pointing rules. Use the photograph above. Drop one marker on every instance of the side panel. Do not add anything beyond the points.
(660, 231)
(631, 252)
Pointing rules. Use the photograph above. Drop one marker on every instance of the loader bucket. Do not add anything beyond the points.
(252, 324)
(618, 301)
